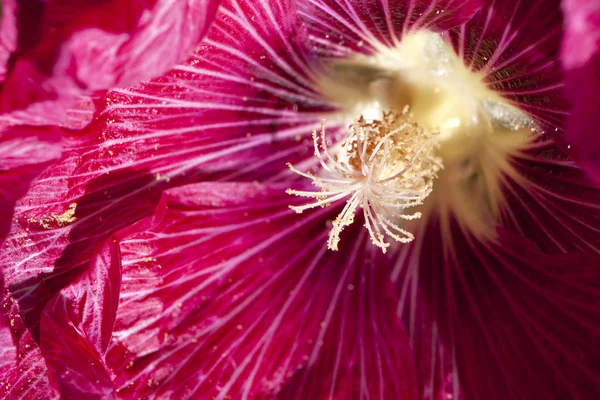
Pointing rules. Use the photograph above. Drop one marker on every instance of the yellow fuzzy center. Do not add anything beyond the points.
(422, 126)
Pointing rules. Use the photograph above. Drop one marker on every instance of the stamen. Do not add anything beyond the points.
(385, 166)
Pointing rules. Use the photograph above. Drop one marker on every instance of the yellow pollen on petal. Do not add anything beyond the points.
(384, 166)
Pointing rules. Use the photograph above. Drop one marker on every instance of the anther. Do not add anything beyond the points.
(384, 167)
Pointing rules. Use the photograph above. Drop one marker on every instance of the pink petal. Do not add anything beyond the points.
(76, 328)
(223, 115)
(226, 292)
(501, 320)
(65, 354)
(8, 34)
(338, 28)
(243, 104)
(73, 50)
(553, 202)
(51, 244)
(55, 52)
(24, 374)
(8, 349)
(515, 44)
(581, 60)
(24, 153)
(62, 222)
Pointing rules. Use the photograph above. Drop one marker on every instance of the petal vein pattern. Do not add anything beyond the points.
(231, 112)
(252, 309)
(341, 28)
(503, 42)
(552, 202)
(226, 293)
(482, 325)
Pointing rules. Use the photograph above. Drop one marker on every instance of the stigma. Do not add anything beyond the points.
(385, 167)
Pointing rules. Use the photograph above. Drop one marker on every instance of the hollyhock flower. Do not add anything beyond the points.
(447, 247)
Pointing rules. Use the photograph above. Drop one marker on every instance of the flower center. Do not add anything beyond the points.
(391, 156)
(385, 166)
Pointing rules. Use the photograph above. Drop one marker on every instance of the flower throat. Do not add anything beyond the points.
(423, 131)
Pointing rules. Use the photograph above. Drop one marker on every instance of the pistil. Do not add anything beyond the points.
(384, 166)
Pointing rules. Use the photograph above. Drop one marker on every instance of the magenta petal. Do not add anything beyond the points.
(226, 292)
(8, 35)
(221, 115)
(24, 153)
(244, 104)
(338, 28)
(60, 226)
(61, 51)
(501, 320)
(24, 374)
(581, 60)
(76, 328)
(75, 49)
(8, 349)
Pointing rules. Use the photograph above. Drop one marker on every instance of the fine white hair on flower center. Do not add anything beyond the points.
(383, 166)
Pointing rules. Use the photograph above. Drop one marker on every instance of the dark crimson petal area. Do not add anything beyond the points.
(581, 60)
(58, 50)
(552, 201)
(500, 320)
(516, 43)
(338, 28)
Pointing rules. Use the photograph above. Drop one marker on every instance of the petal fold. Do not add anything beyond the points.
(24, 153)
(24, 374)
(76, 327)
(54, 54)
(62, 51)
